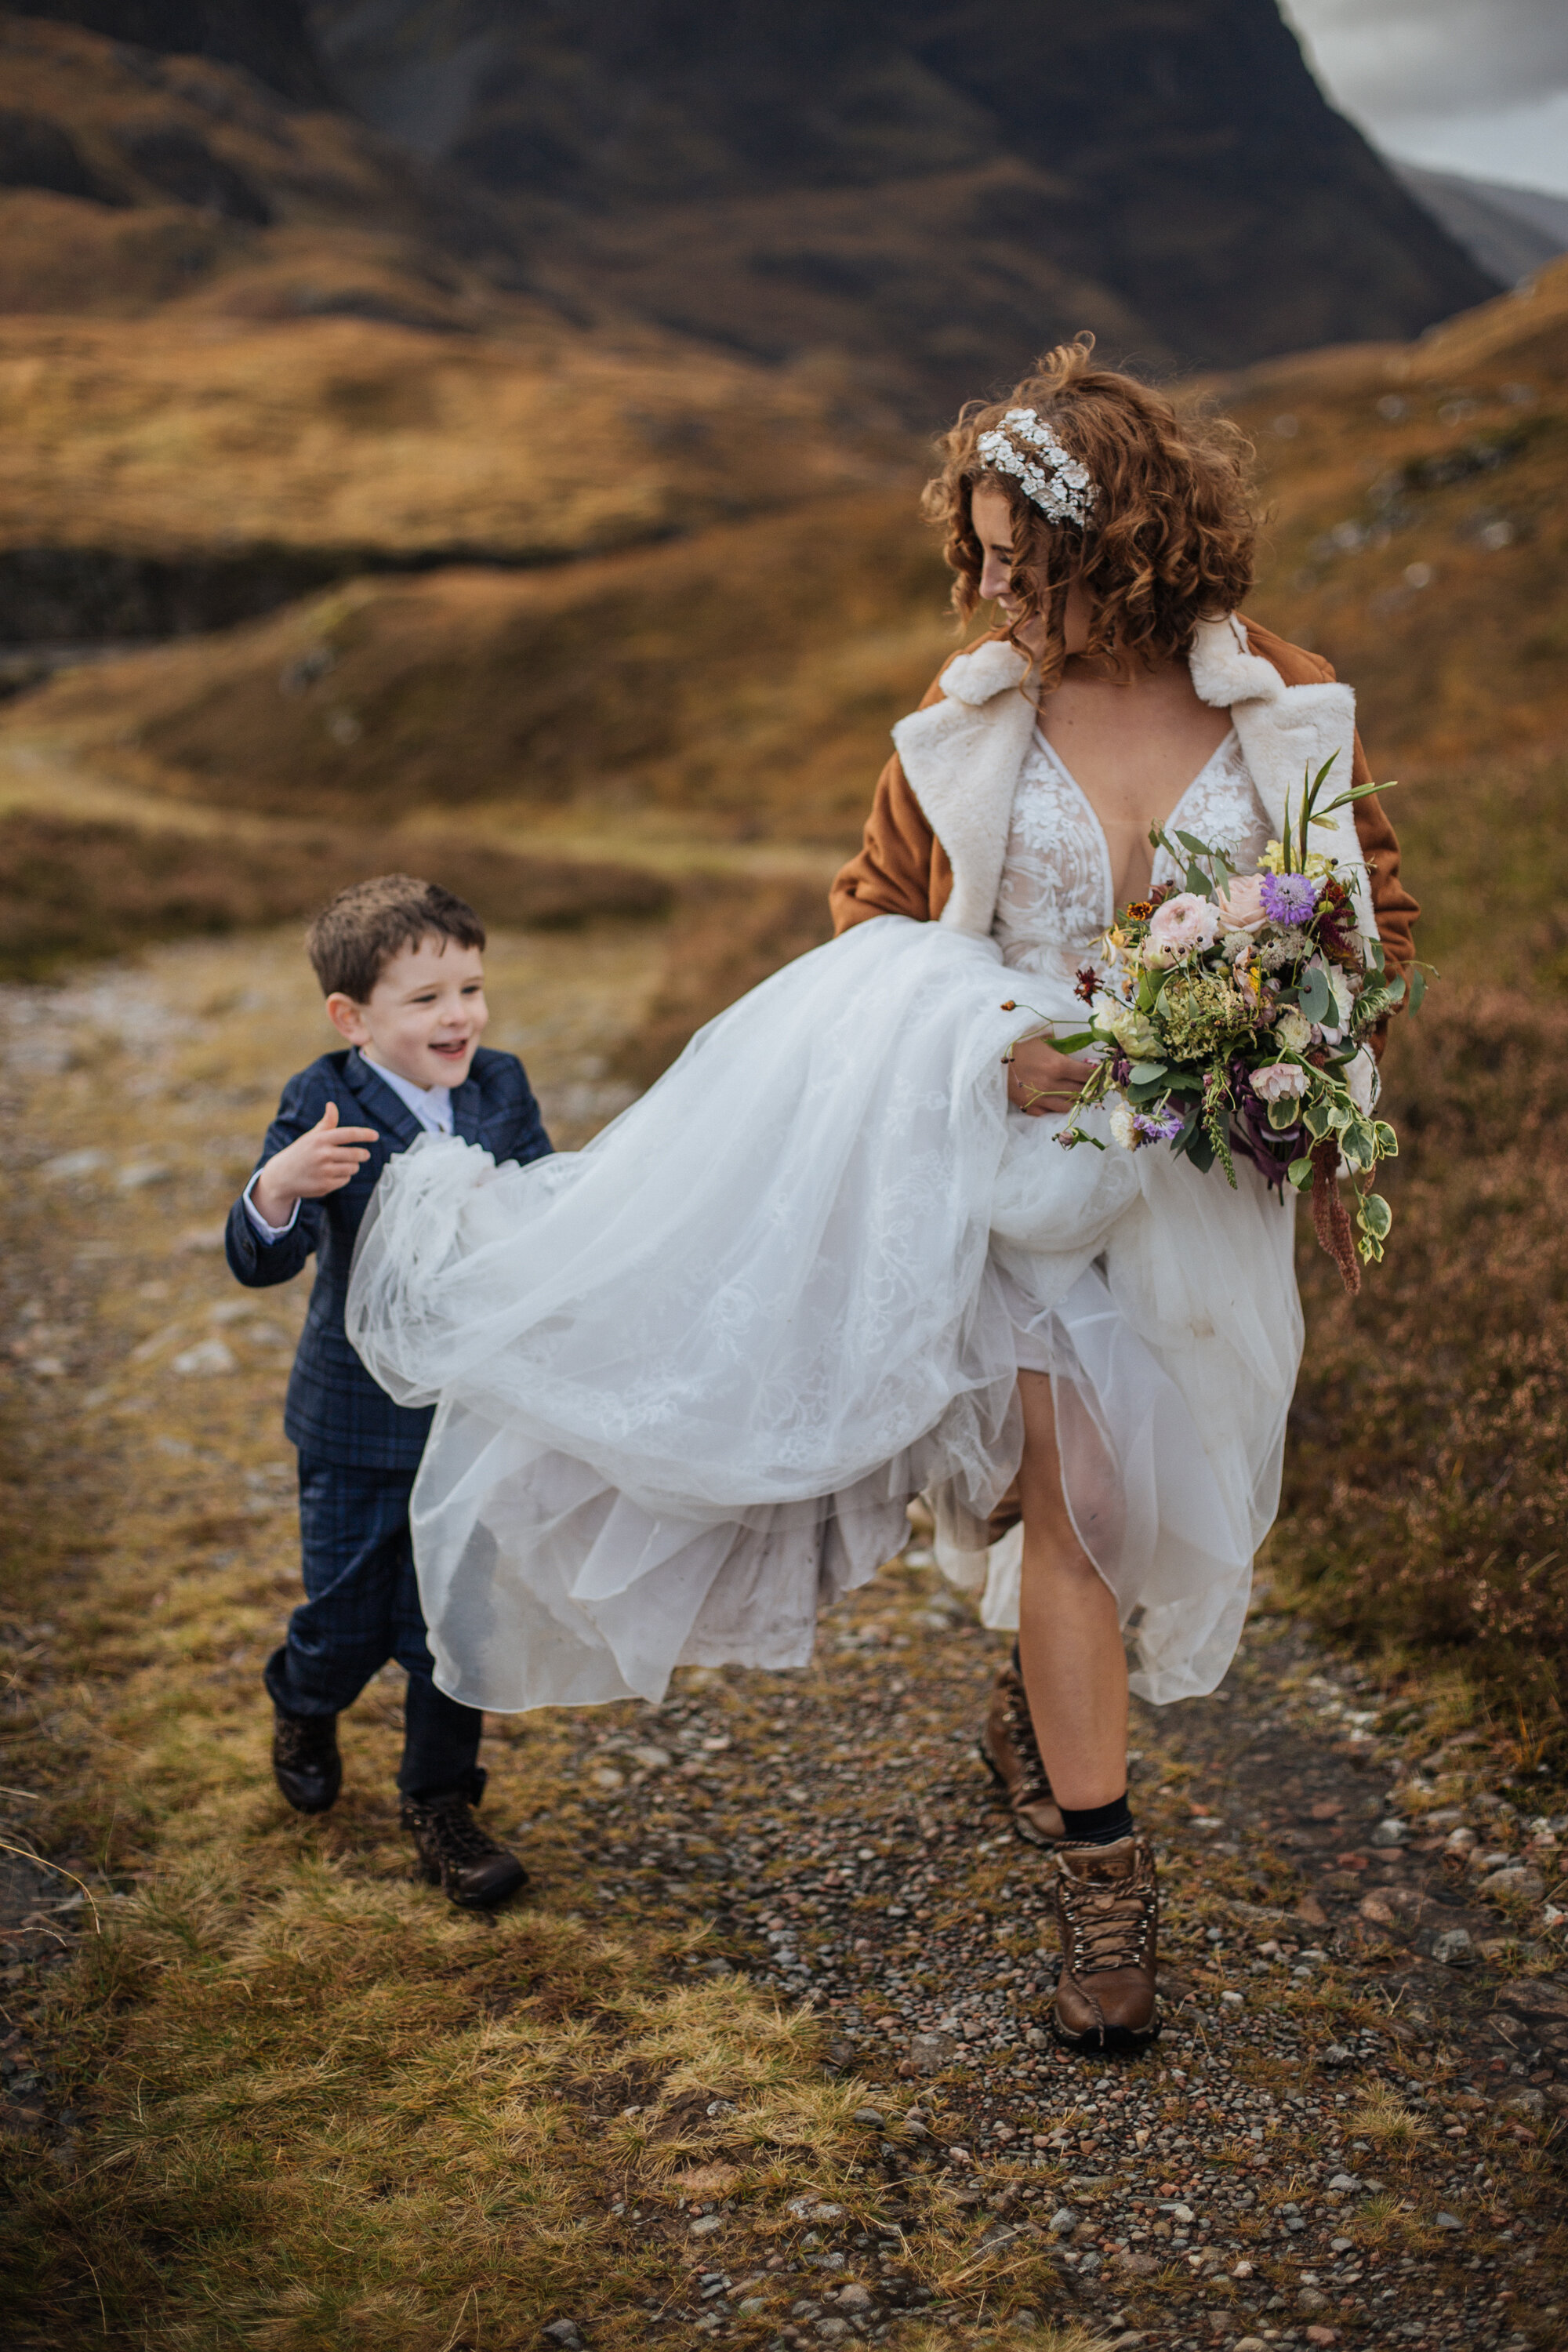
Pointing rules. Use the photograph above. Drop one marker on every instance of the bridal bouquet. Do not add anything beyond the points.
(1229, 1017)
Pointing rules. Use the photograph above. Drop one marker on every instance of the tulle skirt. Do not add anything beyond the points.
(689, 1379)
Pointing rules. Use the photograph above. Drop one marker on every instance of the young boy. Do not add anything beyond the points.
(400, 965)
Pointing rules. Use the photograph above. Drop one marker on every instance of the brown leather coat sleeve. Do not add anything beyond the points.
(1391, 902)
(901, 866)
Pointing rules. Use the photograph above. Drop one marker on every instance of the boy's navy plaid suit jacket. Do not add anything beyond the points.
(334, 1411)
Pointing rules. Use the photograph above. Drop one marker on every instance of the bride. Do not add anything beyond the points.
(689, 1379)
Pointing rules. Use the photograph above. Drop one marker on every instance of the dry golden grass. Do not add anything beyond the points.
(735, 686)
(92, 889)
(1388, 2124)
(172, 436)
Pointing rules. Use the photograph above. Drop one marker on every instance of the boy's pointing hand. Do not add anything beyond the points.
(318, 1162)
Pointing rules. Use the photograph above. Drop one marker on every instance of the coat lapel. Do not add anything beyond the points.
(385, 1111)
(468, 1110)
(1286, 732)
(962, 757)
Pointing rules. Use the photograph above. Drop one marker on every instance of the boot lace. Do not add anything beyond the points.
(1110, 1920)
(456, 1834)
(1035, 1786)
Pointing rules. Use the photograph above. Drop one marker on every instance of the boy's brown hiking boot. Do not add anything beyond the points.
(456, 1854)
(1011, 1752)
(1108, 1912)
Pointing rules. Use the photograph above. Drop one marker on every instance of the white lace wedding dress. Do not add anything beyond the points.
(689, 1378)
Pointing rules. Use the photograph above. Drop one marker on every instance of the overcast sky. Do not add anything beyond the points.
(1472, 86)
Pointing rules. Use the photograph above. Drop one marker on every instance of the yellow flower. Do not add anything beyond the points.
(1315, 863)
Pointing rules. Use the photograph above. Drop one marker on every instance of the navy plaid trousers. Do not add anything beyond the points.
(362, 1609)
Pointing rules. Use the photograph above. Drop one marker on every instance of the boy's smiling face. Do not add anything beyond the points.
(426, 1015)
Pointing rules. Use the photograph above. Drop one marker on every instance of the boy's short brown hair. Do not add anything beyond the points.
(352, 942)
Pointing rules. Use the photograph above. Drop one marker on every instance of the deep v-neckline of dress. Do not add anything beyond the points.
(1102, 839)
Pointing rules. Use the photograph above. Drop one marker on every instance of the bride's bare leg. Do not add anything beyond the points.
(1069, 1644)
(1075, 1677)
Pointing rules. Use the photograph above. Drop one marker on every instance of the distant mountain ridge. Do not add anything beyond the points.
(1512, 231)
(921, 194)
(268, 38)
(937, 188)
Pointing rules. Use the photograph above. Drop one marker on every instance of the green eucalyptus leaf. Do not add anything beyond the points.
(1316, 998)
(1300, 1174)
(1374, 1216)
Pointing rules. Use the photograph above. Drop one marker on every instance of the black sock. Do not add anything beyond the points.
(1098, 1824)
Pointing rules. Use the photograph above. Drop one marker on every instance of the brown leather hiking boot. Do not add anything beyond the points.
(1107, 1910)
(456, 1854)
(1010, 1750)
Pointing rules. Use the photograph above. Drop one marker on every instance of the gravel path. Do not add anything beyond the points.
(1340, 2137)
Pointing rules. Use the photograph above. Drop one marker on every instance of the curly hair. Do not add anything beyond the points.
(1171, 537)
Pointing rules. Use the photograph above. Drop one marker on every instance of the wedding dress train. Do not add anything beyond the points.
(689, 1378)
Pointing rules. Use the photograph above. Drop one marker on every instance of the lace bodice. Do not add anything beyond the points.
(1056, 897)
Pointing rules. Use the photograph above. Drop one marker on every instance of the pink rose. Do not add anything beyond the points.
(1241, 907)
(1183, 923)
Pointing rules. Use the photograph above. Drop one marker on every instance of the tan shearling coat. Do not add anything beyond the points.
(934, 841)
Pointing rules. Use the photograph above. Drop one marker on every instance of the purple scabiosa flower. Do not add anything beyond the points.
(1289, 898)
(1157, 1125)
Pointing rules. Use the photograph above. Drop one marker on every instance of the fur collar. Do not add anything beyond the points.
(963, 755)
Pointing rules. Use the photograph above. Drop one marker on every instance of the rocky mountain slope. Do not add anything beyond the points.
(937, 190)
(250, 349)
(1511, 232)
(926, 195)
(737, 684)
(269, 38)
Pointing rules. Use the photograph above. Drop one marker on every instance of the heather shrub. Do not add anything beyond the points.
(1426, 1483)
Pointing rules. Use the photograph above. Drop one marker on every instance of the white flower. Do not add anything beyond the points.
(1122, 1130)
(1280, 1082)
(1287, 949)
(1363, 1082)
(1133, 1030)
(1293, 1030)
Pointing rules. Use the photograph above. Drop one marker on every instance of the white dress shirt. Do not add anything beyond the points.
(431, 1105)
